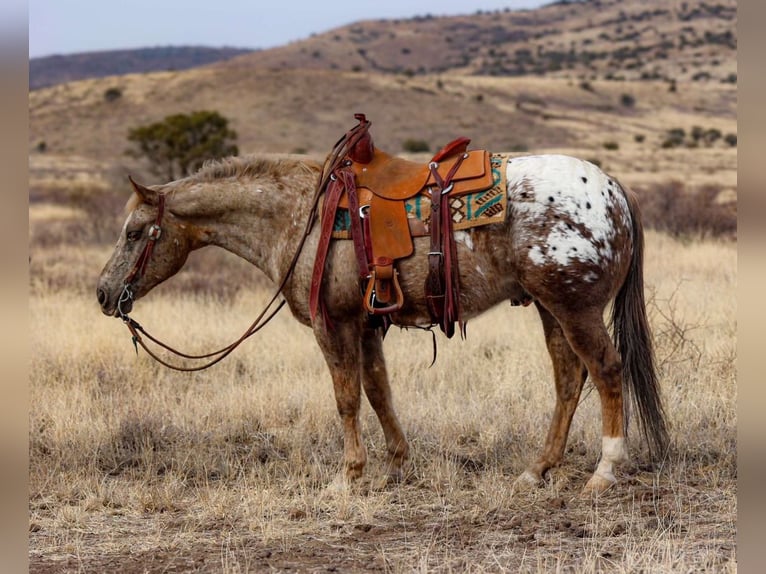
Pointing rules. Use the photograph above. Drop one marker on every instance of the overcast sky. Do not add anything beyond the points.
(71, 26)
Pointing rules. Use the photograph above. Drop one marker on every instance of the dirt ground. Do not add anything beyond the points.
(663, 524)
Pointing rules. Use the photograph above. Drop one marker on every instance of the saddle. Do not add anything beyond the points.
(371, 188)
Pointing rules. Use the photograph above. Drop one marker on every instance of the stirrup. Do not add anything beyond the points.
(372, 305)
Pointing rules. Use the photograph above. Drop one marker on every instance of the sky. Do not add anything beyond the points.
(72, 26)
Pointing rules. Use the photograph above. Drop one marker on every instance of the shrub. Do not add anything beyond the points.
(181, 143)
(674, 138)
(628, 100)
(731, 139)
(413, 145)
(712, 135)
(674, 209)
(112, 94)
(639, 138)
(611, 145)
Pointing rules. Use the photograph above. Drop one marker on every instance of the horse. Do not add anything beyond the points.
(571, 243)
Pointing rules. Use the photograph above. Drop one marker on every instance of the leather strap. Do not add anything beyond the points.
(332, 197)
(443, 281)
(433, 288)
(357, 232)
(155, 231)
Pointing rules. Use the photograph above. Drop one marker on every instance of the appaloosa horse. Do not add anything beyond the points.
(572, 242)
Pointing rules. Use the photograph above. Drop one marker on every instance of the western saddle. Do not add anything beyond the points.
(369, 188)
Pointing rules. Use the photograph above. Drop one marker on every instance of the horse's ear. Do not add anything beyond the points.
(147, 195)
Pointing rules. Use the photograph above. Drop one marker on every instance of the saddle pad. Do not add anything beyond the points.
(469, 210)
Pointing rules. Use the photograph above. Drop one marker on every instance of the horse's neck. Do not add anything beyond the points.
(258, 219)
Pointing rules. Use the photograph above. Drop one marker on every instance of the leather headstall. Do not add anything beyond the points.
(155, 231)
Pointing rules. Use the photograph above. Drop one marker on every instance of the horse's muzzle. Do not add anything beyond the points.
(113, 306)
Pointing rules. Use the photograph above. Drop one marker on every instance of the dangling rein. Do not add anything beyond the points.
(335, 157)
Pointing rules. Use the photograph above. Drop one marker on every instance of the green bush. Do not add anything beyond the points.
(178, 145)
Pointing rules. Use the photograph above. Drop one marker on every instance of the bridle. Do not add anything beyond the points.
(135, 328)
(155, 232)
(341, 147)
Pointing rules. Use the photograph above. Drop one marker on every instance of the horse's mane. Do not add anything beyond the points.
(276, 166)
(252, 166)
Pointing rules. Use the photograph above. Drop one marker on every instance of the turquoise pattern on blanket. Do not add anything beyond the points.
(342, 221)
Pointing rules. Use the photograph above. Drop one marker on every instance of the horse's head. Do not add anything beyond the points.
(152, 246)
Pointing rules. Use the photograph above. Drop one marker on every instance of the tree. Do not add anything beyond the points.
(178, 145)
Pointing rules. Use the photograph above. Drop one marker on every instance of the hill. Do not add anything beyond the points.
(52, 70)
(589, 39)
(645, 131)
(610, 39)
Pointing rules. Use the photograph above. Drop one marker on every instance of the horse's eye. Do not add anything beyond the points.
(134, 235)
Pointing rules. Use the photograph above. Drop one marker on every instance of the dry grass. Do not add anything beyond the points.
(137, 468)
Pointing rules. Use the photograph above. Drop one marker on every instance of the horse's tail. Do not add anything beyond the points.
(632, 337)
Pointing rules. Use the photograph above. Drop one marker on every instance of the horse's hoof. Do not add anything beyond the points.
(598, 484)
(527, 481)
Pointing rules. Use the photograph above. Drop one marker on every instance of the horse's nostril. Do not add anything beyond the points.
(102, 297)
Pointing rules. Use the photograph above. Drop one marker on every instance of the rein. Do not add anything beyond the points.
(332, 162)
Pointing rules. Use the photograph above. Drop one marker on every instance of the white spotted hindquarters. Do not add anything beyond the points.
(566, 212)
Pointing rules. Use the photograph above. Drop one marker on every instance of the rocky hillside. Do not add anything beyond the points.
(608, 39)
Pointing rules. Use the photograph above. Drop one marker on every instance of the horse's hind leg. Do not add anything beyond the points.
(341, 345)
(590, 339)
(378, 391)
(570, 374)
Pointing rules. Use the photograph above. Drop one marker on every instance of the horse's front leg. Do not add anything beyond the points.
(341, 345)
(378, 391)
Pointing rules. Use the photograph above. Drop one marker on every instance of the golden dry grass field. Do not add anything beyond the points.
(136, 468)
